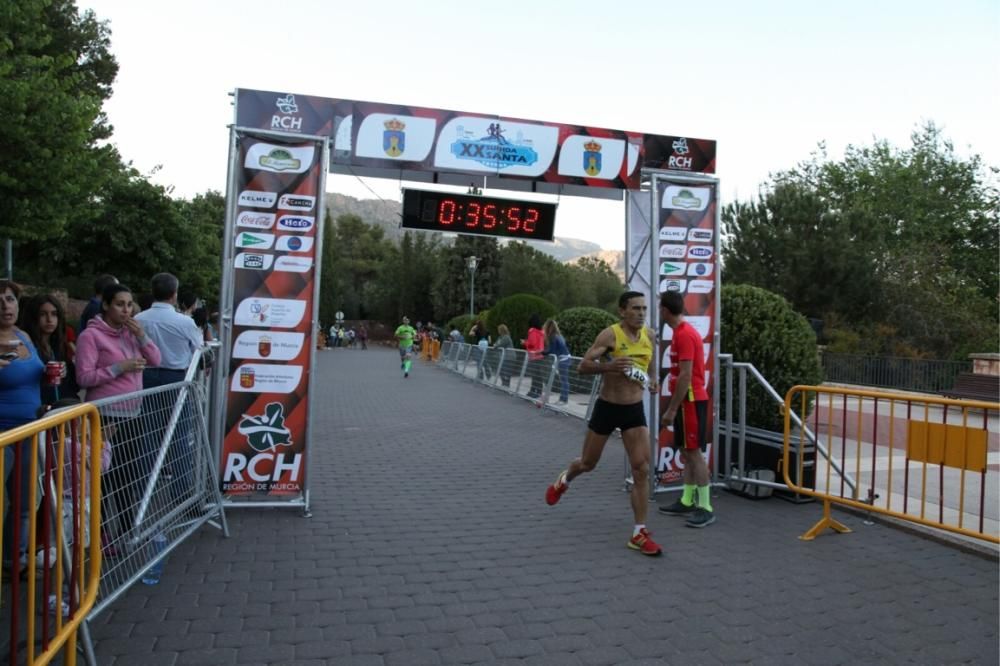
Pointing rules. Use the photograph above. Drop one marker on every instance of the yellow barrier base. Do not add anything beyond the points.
(825, 522)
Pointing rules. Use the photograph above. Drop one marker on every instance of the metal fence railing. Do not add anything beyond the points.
(904, 374)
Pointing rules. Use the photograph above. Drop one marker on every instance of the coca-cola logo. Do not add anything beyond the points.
(255, 220)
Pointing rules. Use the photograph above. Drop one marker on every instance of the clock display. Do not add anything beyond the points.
(484, 216)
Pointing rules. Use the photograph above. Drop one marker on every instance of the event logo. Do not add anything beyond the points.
(286, 105)
(257, 199)
(494, 150)
(394, 138)
(700, 235)
(253, 261)
(255, 220)
(294, 244)
(673, 251)
(700, 252)
(679, 159)
(296, 223)
(668, 268)
(261, 241)
(672, 234)
(301, 202)
(267, 431)
(700, 269)
(592, 158)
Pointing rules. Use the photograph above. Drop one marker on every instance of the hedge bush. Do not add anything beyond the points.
(581, 325)
(463, 323)
(514, 312)
(761, 328)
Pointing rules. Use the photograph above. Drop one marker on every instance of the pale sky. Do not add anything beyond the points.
(767, 80)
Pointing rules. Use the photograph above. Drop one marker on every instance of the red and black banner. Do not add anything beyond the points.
(687, 243)
(273, 242)
(386, 139)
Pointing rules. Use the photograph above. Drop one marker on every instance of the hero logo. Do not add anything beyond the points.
(679, 160)
(700, 235)
(255, 220)
(700, 252)
(286, 105)
(672, 251)
(296, 223)
(257, 199)
(296, 202)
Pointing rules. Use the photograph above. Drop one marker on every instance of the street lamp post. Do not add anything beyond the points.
(473, 261)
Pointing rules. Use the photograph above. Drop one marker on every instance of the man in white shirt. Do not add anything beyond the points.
(177, 337)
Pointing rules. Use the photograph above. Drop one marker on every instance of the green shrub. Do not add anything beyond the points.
(463, 323)
(581, 325)
(761, 328)
(515, 310)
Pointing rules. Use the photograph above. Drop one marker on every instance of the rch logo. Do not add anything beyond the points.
(286, 105)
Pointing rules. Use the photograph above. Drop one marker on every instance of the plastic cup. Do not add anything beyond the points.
(53, 372)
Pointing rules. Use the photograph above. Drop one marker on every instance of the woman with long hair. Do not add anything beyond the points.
(534, 343)
(44, 321)
(555, 344)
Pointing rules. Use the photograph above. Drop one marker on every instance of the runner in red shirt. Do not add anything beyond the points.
(688, 412)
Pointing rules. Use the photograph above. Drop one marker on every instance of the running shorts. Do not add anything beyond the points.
(608, 415)
(690, 423)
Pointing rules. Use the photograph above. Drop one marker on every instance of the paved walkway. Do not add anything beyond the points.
(431, 543)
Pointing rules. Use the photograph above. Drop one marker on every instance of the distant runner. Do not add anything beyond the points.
(404, 334)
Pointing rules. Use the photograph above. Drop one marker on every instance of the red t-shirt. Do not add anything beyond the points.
(687, 346)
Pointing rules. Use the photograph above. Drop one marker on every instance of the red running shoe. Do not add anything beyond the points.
(556, 490)
(643, 543)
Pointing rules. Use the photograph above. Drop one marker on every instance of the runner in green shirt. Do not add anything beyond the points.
(404, 334)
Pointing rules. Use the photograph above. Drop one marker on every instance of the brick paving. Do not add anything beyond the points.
(430, 543)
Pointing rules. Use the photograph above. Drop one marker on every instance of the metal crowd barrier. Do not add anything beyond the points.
(920, 459)
(540, 381)
(53, 476)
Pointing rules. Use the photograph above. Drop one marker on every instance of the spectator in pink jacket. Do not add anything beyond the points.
(110, 357)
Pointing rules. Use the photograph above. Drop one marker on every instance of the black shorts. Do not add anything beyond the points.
(607, 416)
(697, 412)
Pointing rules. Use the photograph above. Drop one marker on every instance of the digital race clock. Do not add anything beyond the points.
(485, 216)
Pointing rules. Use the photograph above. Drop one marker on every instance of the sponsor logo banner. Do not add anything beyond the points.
(700, 252)
(293, 264)
(590, 157)
(700, 269)
(279, 158)
(296, 202)
(255, 220)
(673, 251)
(269, 312)
(672, 268)
(257, 199)
(296, 223)
(286, 119)
(700, 286)
(673, 234)
(685, 197)
(266, 378)
(294, 244)
(254, 241)
(471, 143)
(673, 285)
(253, 261)
(396, 136)
(268, 345)
(700, 235)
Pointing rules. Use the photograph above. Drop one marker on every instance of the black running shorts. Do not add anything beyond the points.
(608, 415)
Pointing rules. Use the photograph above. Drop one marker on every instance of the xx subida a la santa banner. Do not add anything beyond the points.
(274, 248)
(687, 262)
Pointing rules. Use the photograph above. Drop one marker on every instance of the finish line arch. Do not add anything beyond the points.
(281, 148)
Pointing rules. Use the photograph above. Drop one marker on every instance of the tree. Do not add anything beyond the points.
(198, 264)
(597, 285)
(355, 256)
(452, 284)
(855, 241)
(56, 70)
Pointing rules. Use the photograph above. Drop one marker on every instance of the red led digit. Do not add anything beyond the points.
(472, 219)
(489, 215)
(514, 214)
(446, 211)
(530, 219)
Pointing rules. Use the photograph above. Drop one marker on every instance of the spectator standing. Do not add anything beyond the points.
(555, 344)
(534, 344)
(480, 336)
(93, 307)
(504, 342)
(110, 356)
(45, 322)
(363, 336)
(21, 372)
